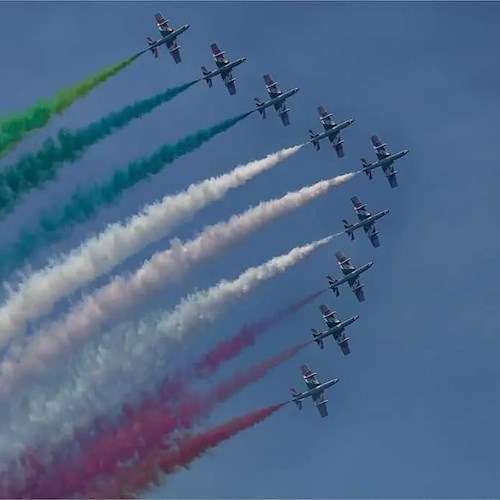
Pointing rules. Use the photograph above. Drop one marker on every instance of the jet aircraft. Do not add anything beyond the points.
(314, 390)
(351, 276)
(385, 159)
(366, 221)
(332, 131)
(224, 68)
(168, 37)
(278, 100)
(336, 329)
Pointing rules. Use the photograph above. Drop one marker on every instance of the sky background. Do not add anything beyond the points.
(416, 411)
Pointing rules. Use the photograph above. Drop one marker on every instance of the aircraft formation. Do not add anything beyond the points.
(366, 220)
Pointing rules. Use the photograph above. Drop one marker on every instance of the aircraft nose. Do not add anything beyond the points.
(406, 151)
(335, 380)
(356, 317)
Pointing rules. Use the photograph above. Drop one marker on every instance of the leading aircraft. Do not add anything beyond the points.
(366, 221)
(314, 390)
(336, 329)
(168, 37)
(278, 100)
(385, 159)
(351, 276)
(332, 131)
(224, 68)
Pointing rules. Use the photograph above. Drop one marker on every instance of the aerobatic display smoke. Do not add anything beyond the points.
(39, 292)
(33, 170)
(130, 482)
(109, 303)
(15, 126)
(132, 358)
(84, 204)
(146, 427)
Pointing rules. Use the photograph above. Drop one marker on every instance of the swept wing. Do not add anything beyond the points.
(382, 153)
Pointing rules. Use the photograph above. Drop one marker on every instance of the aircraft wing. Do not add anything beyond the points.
(390, 173)
(344, 263)
(309, 376)
(360, 208)
(229, 82)
(326, 118)
(218, 55)
(162, 24)
(371, 232)
(271, 86)
(344, 347)
(357, 288)
(380, 148)
(321, 404)
(337, 142)
(174, 49)
(329, 316)
(285, 118)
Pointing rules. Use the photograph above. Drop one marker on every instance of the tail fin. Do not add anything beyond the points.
(331, 283)
(368, 172)
(318, 341)
(154, 50)
(206, 72)
(262, 111)
(295, 394)
(312, 135)
(347, 225)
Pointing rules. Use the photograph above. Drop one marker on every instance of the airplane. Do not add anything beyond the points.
(351, 276)
(224, 68)
(278, 100)
(385, 159)
(336, 328)
(314, 390)
(168, 37)
(366, 221)
(332, 131)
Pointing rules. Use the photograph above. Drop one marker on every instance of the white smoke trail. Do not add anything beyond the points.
(38, 293)
(108, 304)
(131, 358)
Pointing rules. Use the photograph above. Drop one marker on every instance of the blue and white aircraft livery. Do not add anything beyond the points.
(336, 329)
(224, 69)
(351, 276)
(366, 221)
(314, 390)
(168, 38)
(385, 160)
(278, 100)
(332, 131)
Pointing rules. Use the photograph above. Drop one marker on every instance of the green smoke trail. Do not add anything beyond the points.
(84, 204)
(15, 126)
(32, 170)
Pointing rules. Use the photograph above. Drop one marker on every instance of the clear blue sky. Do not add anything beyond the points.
(416, 411)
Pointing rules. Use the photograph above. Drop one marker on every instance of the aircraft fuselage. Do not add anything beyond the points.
(354, 274)
(225, 68)
(170, 37)
(316, 390)
(368, 220)
(334, 330)
(334, 130)
(279, 99)
(386, 161)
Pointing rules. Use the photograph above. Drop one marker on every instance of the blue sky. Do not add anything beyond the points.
(415, 413)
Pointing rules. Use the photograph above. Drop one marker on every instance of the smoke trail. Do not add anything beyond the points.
(116, 358)
(132, 481)
(84, 204)
(132, 362)
(98, 255)
(152, 423)
(33, 170)
(229, 349)
(111, 301)
(15, 126)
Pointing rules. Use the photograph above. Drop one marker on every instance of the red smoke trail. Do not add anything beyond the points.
(150, 422)
(174, 387)
(231, 348)
(132, 481)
